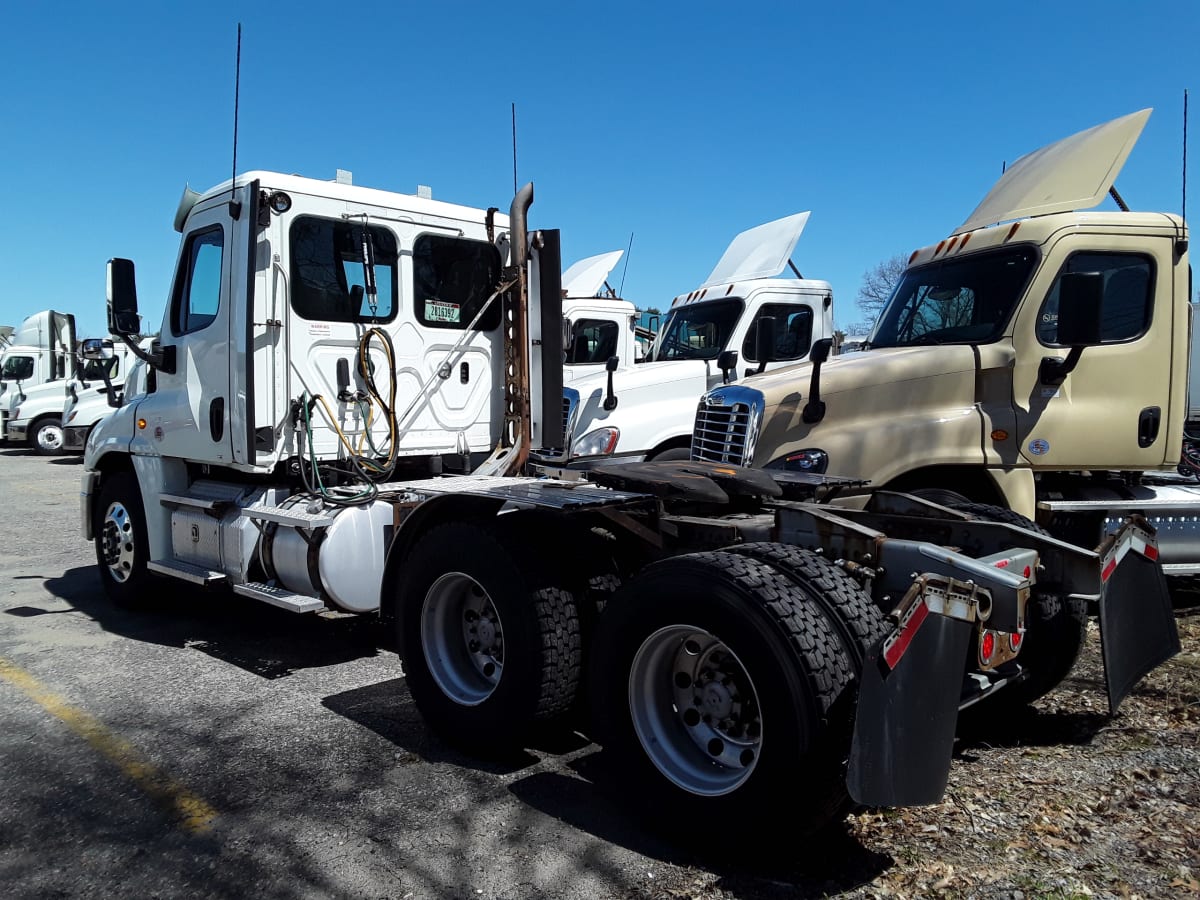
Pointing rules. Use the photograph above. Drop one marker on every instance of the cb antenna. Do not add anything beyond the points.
(514, 130)
(1185, 111)
(628, 253)
(235, 208)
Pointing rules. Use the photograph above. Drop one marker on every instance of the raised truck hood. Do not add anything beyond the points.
(586, 277)
(1073, 173)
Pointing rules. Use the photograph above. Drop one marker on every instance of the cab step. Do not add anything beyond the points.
(186, 572)
(277, 596)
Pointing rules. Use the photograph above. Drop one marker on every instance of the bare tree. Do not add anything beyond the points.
(878, 284)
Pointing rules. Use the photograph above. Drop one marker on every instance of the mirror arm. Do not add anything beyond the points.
(162, 359)
(1054, 371)
(814, 409)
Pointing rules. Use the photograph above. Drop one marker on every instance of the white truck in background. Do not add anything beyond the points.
(645, 412)
(41, 350)
(597, 324)
(39, 419)
(91, 399)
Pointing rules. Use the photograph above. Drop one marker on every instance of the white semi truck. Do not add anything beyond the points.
(328, 349)
(597, 324)
(634, 413)
(40, 351)
(91, 399)
(40, 417)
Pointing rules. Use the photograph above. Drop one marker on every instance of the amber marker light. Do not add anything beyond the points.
(999, 435)
(141, 424)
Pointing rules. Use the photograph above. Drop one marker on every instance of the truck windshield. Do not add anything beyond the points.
(959, 301)
(698, 330)
(17, 368)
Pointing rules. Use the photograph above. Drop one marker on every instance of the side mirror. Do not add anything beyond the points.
(1080, 308)
(727, 361)
(1080, 322)
(122, 298)
(610, 402)
(820, 350)
(96, 348)
(764, 343)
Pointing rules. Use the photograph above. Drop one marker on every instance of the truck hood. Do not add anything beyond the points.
(586, 277)
(1073, 173)
(888, 365)
(649, 375)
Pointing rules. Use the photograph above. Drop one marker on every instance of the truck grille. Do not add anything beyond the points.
(727, 423)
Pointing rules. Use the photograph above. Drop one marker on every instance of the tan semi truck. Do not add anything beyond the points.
(1035, 359)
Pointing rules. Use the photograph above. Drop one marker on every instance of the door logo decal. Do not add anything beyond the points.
(1039, 447)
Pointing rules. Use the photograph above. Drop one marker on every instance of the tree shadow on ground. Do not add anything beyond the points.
(254, 636)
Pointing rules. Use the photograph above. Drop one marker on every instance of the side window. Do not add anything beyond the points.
(328, 280)
(452, 279)
(793, 331)
(592, 341)
(197, 294)
(1128, 296)
(18, 368)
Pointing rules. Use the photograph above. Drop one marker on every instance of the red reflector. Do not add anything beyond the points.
(1028, 571)
(1014, 640)
(1151, 552)
(892, 654)
(1108, 569)
(1003, 564)
(989, 645)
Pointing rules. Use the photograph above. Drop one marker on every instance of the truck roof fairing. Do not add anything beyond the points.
(760, 252)
(1071, 174)
(586, 277)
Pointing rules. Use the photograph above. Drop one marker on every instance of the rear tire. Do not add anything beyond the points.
(1055, 626)
(46, 436)
(487, 650)
(712, 687)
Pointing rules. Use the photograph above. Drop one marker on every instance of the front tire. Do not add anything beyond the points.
(712, 687)
(488, 648)
(46, 436)
(122, 549)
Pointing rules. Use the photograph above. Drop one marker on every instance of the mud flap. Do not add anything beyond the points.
(1137, 623)
(908, 710)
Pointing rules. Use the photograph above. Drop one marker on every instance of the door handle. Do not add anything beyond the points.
(1148, 423)
(216, 418)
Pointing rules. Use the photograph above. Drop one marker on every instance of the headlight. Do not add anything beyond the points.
(811, 460)
(600, 442)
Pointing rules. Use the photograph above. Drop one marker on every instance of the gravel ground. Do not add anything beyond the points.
(299, 737)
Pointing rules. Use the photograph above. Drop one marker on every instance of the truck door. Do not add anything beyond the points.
(187, 416)
(794, 327)
(1111, 411)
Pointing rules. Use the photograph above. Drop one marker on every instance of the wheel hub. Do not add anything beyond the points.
(695, 710)
(462, 638)
(116, 542)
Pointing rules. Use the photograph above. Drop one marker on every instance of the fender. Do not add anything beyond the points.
(434, 511)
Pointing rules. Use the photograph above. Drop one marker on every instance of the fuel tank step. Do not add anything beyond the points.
(290, 515)
(280, 597)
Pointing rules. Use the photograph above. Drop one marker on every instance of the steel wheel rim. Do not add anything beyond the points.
(50, 437)
(462, 638)
(695, 710)
(116, 542)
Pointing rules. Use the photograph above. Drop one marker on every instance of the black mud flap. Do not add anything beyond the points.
(908, 711)
(1137, 623)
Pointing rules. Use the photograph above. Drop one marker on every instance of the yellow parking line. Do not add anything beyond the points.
(194, 814)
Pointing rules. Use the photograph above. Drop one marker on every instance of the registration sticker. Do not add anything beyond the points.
(441, 311)
(1039, 447)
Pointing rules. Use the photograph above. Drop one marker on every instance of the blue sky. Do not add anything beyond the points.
(680, 123)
